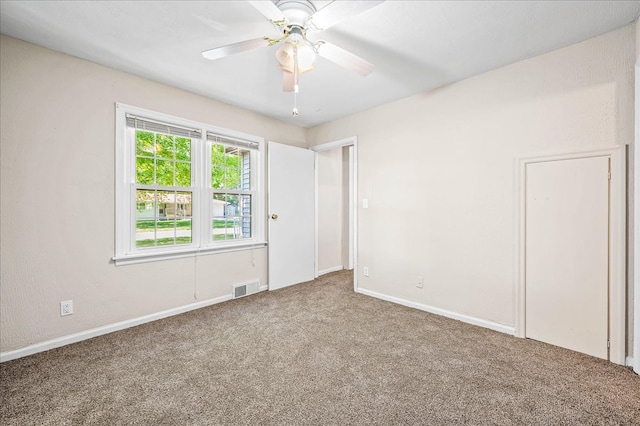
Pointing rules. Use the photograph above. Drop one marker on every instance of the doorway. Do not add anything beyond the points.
(336, 215)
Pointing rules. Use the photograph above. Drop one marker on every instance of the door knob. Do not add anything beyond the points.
(274, 216)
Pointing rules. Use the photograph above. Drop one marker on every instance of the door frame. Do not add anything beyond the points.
(636, 225)
(617, 244)
(353, 200)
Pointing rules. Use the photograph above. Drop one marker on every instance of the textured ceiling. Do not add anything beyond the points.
(415, 45)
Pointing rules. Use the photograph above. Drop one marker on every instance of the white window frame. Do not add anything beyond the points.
(202, 239)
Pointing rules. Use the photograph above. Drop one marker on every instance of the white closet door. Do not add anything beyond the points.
(567, 253)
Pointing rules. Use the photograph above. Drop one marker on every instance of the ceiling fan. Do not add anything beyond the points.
(295, 19)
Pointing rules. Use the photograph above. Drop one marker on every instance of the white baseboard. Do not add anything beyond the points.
(460, 317)
(99, 331)
(334, 269)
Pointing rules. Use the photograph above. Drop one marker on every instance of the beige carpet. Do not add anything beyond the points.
(316, 353)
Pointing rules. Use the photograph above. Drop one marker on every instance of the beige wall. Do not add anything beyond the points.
(439, 170)
(347, 197)
(57, 198)
(330, 211)
(637, 41)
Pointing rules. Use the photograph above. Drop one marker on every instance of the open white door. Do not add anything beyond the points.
(291, 215)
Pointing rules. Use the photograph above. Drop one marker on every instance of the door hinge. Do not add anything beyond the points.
(609, 175)
(608, 343)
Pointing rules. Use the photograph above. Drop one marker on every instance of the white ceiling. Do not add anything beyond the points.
(415, 45)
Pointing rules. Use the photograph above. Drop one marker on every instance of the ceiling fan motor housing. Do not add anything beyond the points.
(296, 11)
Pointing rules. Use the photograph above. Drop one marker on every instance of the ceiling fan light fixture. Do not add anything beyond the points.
(285, 56)
(306, 57)
(290, 70)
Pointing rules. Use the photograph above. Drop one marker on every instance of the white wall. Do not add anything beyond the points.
(57, 198)
(330, 210)
(439, 170)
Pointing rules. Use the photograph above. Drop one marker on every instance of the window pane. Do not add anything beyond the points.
(163, 218)
(183, 174)
(230, 167)
(164, 146)
(219, 205)
(232, 205)
(146, 218)
(144, 171)
(183, 149)
(217, 166)
(217, 155)
(144, 143)
(178, 210)
(217, 178)
(218, 212)
(231, 216)
(164, 172)
(233, 164)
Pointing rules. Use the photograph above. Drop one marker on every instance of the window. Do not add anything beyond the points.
(231, 192)
(163, 184)
(184, 187)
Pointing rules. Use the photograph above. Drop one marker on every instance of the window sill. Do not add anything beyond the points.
(154, 256)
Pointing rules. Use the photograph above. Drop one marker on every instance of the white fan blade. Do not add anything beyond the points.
(345, 58)
(232, 49)
(269, 10)
(338, 11)
(287, 81)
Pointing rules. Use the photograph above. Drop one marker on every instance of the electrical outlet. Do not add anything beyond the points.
(420, 282)
(66, 308)
(365, 271)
